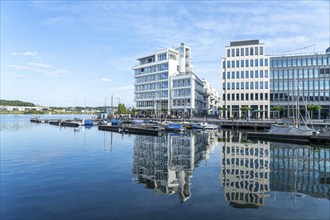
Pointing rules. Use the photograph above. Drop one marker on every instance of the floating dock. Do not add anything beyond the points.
(150, 130)
(322, 138)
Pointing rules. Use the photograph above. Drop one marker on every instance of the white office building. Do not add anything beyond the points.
(245, 78)
(212, 99)
(165, 84)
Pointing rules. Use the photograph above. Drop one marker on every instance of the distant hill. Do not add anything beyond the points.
(15, 103)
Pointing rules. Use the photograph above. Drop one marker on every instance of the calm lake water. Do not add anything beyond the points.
(53, 172)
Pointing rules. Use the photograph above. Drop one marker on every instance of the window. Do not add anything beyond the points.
(228, 86)
(247, 97)
(232, 52)
(237, 85)
(251, 96)
(261, 85)
(228, 97)
(251, 85)
(242, 85)
(237, 52)
(261, 50)
(256, 62)
(242, 74)
(246, 63)
(228, 75)
(256, 51)
(256, 97)
(256, 74)
(237, 97)
(266, 85)
(251, 74)
(261, 62)
(261, 74)
(246, 51)
(233, 86)
(251, 51)
(261, 96)
(233, 64)
(228, 52)
(242, 51)
(242, 97)
(242, 63)
(256, 85)
(251, 63)
(237, 74)
(246, 85)
(247, 74)
(233, 97)
(233, 75)
(266, 73)
(228, 64)
(237, 63)
(266, 96)
(223, 75)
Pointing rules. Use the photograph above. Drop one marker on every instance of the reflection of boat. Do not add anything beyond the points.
(175, 127)
(203, 125)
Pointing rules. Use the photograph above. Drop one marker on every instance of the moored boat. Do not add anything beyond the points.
(203, 125)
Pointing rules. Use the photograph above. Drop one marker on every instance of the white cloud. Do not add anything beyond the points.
(106, 80)
(41, 65)
(38, 69)
(26, 53)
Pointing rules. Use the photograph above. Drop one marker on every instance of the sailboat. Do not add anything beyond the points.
(294, 131)
(295, 127)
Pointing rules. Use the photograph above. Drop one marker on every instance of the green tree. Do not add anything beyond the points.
(246, 109)
(222, 109)
(312, 108)
(122, 109)
(278, 109)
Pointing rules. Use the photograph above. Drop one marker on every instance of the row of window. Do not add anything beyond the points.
(151, 86)
(152, 95)
(299, 73)
(300, 86)
(246, 75)
(153, 77)
(245, 85)
(247, 51)
(151, 69)
(299, 61)
(149, 104)
(181, 92)
(245, 63)
(162, 56)
(181, 102)
(245, 97)
(308, 97)
(181, 83)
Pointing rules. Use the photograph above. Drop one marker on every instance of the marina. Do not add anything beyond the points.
(199, 174)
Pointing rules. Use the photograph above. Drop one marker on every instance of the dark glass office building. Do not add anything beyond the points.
(300, 80)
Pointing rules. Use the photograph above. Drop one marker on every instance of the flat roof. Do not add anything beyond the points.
(244, 42)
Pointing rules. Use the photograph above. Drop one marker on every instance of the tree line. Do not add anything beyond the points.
(15, 103)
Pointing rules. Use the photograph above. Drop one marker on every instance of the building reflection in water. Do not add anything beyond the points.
(300, 170)
(245, 171)
(251, 170)
(166, 163)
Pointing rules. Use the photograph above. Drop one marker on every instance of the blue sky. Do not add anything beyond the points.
(67, 53)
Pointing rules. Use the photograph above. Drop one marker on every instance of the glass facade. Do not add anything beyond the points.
(306, 77)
